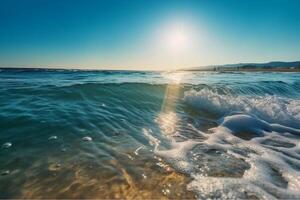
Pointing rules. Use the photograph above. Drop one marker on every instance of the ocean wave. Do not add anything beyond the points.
(230, 135)
(268, 107)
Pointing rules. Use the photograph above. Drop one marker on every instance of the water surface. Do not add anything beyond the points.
(119, 134)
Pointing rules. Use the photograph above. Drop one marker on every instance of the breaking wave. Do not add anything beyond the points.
(252, 152)
(269, 107)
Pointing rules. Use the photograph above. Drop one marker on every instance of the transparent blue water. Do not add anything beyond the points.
(131, 117)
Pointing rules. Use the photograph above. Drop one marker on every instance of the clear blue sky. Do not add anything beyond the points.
(149, 34)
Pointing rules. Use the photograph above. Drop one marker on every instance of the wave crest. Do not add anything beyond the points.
(269, 107)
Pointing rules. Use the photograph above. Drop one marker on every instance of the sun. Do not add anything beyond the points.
(176, 37)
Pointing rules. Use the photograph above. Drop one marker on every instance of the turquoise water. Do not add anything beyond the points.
(119, 134)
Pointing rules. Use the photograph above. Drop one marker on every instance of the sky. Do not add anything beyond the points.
(147, 34)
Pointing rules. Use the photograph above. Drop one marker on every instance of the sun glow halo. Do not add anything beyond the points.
(177, 37)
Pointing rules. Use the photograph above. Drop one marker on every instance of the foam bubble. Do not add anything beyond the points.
(5, 172)
(7, 145)
(87, 139)
(53, 137)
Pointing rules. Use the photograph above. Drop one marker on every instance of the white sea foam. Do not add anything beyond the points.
(266, 161)
(265, 154)
(270, 108)
(152, 140)
(253, 152)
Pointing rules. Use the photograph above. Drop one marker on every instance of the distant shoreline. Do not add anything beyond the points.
(246, 70)
(274, 66)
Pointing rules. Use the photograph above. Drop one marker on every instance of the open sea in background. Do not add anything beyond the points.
(130, 134)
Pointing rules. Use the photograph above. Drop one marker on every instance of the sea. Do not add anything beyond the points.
(149, 135)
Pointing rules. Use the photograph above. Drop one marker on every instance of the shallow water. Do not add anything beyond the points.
(118, 134)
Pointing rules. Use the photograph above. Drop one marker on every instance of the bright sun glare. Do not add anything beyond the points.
(176, 36)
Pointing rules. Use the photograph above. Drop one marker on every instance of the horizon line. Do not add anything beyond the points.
(132, 68)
